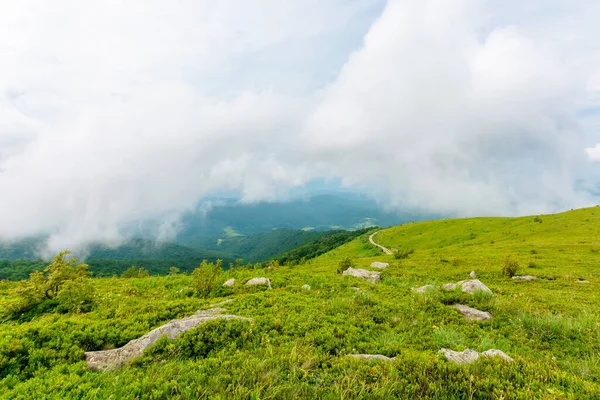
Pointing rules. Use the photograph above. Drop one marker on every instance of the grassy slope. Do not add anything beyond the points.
(295, 346)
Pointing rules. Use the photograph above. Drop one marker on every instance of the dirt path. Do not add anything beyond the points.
(384, 249)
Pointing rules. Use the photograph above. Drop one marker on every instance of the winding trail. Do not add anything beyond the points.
(384, 249)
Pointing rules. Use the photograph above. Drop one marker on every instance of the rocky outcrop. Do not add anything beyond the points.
(423, 289)
(469, 356)
(472, 313)
(380, 265)
(116, 358)
(229, 282)
(369, 276)
(371, 357)
(525, 278)
(468, 286)
(259, 281)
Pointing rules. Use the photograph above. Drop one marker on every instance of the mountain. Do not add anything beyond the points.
(298, 341)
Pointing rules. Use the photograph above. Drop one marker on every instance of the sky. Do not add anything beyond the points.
(114, 111)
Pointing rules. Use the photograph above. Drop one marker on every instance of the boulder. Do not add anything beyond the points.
(229, 282)
(306, 287)
(473, 285)
(460, 357)
(371, 357)
(468, 356)
(472, 313)
(116, 358)
(473, 275)
(525, 278)
(449, 286)
(380, 265)
(423, 289)
(369, 276)
(497, 353)
(259, 281)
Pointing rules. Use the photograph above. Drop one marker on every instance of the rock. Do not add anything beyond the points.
(116, 358)
(380, 265)
(355, 289)
(423, 289)
(473, 285)
(259, 281)
(468, 356)
(525, 278)
(369, 276)
(229, 282)
(449, 286)
(473, 275)
(461, 357)
(371, 357)
(472, 313)
(497, 353)
(306, 287)
(583, 281)
(222, 302)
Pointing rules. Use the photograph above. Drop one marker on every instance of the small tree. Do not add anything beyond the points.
(344, 264)
(510, 267)
(130, 273)
(205, 276)
(142, 273)
(173, 270)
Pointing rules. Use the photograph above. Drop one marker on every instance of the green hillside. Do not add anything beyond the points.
(297, 343)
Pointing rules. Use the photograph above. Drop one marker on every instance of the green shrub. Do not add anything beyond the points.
(403, 253)
(344, 264)
(510, 267)
(205, 277)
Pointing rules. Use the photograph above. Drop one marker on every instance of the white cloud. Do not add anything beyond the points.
(594, 153)
(112, 111)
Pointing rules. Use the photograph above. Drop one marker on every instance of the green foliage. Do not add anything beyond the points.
(174, 270)
(537, 219)
(63, 284)
(344, 264)
(510, 267)
(206, 277)
(402, 254)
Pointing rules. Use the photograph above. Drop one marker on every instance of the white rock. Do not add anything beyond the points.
(423, 289)
(497, 353)
(525, 278)
(259, 281)
(583, 281)
(229, 282)
(473, 285)
(473, 275)
(461, 357)
(380, 265)
(355, 289)
(371, 357)
(472, 313)
(449, 286)
(306, 287)
(116, 358)
(468, 356)
(369, 276)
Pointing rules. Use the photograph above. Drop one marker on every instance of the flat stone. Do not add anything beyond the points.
(497, 353)
(259, 281)
(423, 289)
(306, 287)
(229, 282)
(449, 286)
(473, 285)
(525, 278)
(116, 358)
(472, 313)
(380, 265)
(460, 357)
(370, 276)
(473, 275)
(371, 357)
(583, 281)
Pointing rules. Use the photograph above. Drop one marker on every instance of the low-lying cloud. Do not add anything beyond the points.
(111, 113)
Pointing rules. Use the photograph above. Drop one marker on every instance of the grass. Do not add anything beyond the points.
(296, 344)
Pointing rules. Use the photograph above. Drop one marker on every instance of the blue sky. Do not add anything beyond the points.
(118, 111)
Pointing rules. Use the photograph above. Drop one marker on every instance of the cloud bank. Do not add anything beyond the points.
(112, 112)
